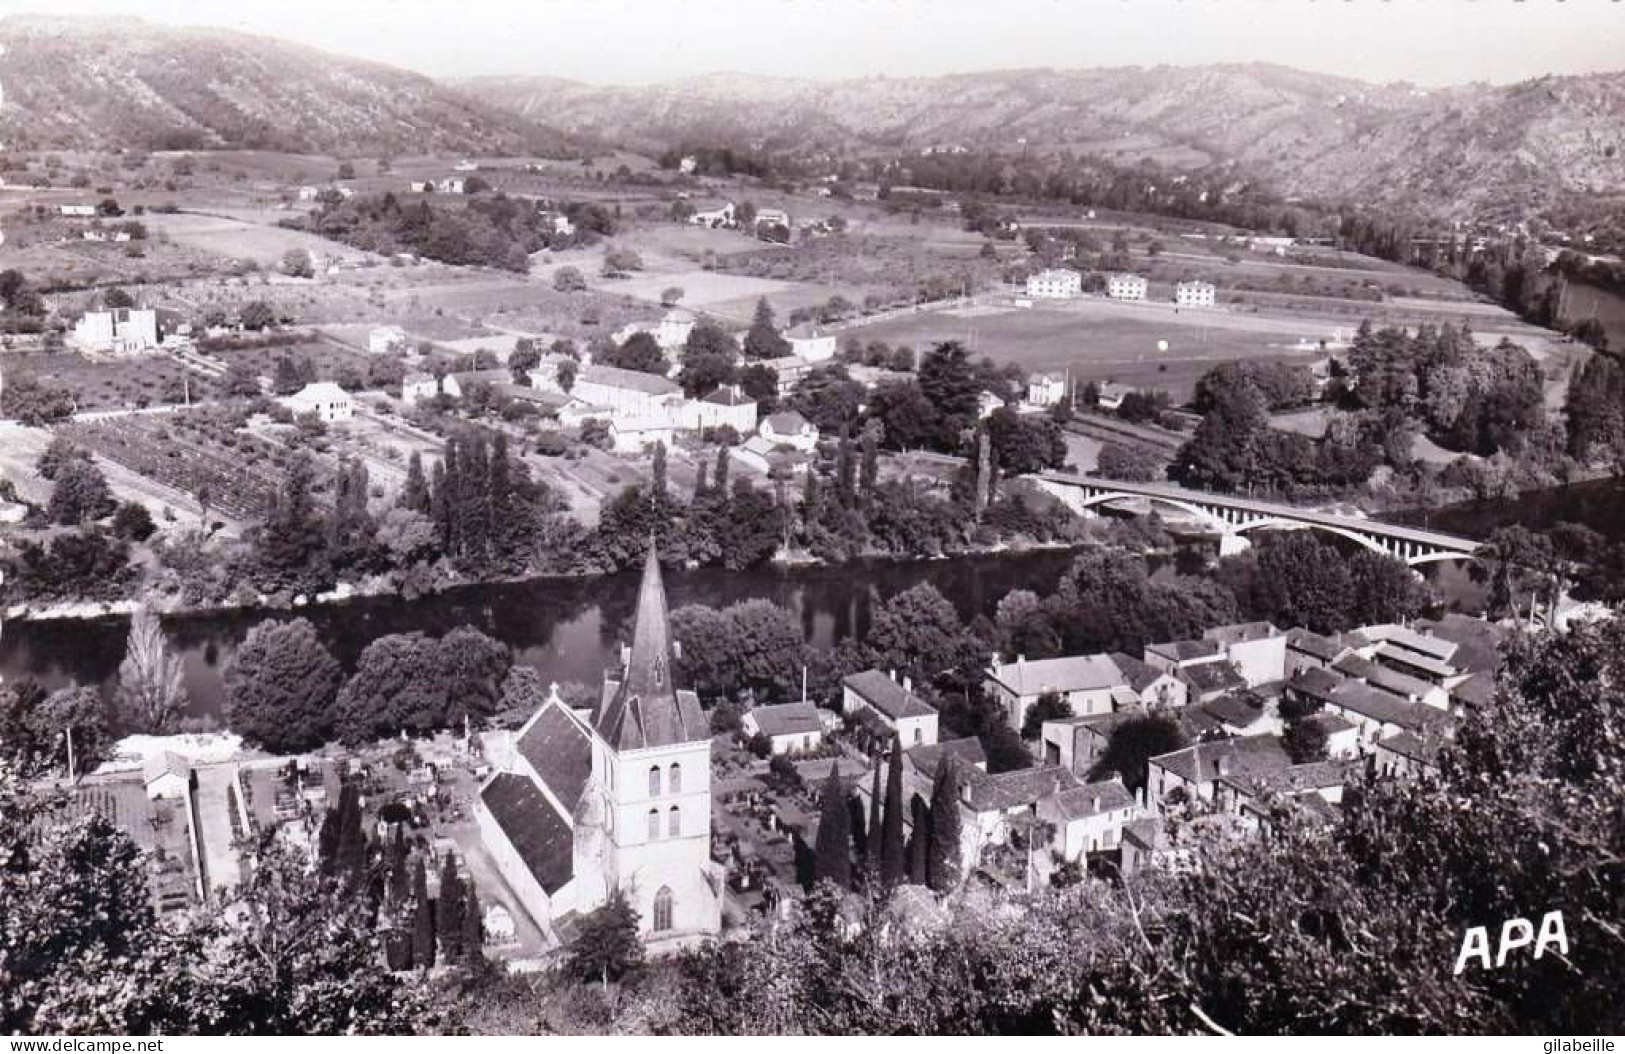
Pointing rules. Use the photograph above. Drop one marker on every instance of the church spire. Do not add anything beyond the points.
(645, 709)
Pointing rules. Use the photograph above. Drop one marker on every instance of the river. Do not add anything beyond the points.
(1598, 504)
(567, 628)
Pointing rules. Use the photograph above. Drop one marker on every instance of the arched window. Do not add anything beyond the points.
(654, 781)
(654, 823)
(663, 910)
(674, 822)
(674, 779)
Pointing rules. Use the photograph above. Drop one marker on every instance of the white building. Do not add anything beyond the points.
(77, 210)
(1126, 287)
(1046, 389)
(632, 433)
(1055, 284)
(1256, 649)
(626, 392)
(893, 704)
(687, 166)
(673, 331)
(1089, 819)
(728, 405)
(789, 428)
(615, 798)
(120, 330)
(809, 344)
(1089, 684)
(330, 403)
(418, 388)
(1194, 294)
(309, 193)
(778, 216)
(722, 217)
(790, 728)
(384, 339)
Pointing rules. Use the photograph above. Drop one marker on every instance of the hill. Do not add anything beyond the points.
(1451, 151)
(70, 83)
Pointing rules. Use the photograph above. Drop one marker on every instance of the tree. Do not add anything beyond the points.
(1024, 443)
(893, 861)
(473, 943)
(762, 340)
(296, 264)
(257, 315)
(873, 845)
(291, 547)
(833, 854)
(569, 280)
(1304, 741)
(423, 945)
(81, 493)
(943, 866)
(670, 295)
(1130, 464)
(949, 383)
(640, 352)
(1132, 744)
(1048, 707)
(60, 453)
(132, 522)
(607, 946)
(449, 907)
(415, 494)
(617, 262)
(829, 398)
(151, 690)
(280, 686)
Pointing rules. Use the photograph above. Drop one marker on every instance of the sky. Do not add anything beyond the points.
(1426, 42)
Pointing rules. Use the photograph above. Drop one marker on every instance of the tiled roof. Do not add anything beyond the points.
(787, 421)
(1378, 705)
(1212, 677)
(633, 380)
(786, 719)
(1091, 799)
(1475, 691)
(1012, 790)
(1409, 745)
(887, 696)
(1249, 754)
(1479, 642)
(1380, 676)
(729, 395)
(560, 752)
(542, 838)
(1136, 673)
(1184, 650)
(1315, 683)
(1240, 632)
(1410, 640)
(927, 756)
(1070, 673)
(1310, 643)
(1234, 710)
(1294, 779)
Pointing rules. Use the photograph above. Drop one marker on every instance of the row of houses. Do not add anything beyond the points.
(1064, 284)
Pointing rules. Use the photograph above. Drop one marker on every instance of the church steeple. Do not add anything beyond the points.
(645, 710)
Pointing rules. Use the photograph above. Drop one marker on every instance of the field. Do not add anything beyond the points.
(233, 238)
(119, 384)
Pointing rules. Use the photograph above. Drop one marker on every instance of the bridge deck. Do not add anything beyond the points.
(1433, 539)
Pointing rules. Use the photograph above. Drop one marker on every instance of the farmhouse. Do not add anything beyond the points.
(1194, 294)
(633, 433)
(1046, 389)
(613, 798)
(329, 402)
(1057, 283)
(1126, 287)
(627, 392)
(808, 344)
(789, 727)
(728, 405)
(789, 428)
(877, 698)
(121, 330)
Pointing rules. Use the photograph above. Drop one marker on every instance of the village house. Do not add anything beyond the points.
(1078, 742)
(885, 707)
(810, 344)
(1090, 684)
(308, 193)
(789, 428)
(1055, 284)
(458, 385)
(1379, 714)
(1110, 395)
(1196, 770)
(326, 400)
(726, 406)
(1175, 655)
(1404, 686)
(988, 403)
(1250, 794)
(674, 328)
(1256, 649)
(1194, 294)
(791, 728)
(419, 387)
(637, 433)
(627, 393)
(790, 369)
(122, 330)
(1307, 650)
(1407, 756)
(1046, 389)
(996, 805)
(920, 765)
(382, 340)
(1088, 819)
(617, 798)
(163, 826)
(1240, 715)
(1126, 287)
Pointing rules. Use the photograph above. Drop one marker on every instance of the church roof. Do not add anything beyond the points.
(560, 752)
(542, 838)
(647, 709)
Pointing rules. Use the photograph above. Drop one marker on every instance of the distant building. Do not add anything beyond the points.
(384, 339)
(309, 193)
(120, 330)
(790, 370)
(1088, 819)
(791, 728)
(1090, 684)
(458, 385)
(1126, 287)
(1257, 649)
(773, 216)
(330, 403)
(1109, 396)
(892, 706)
(632, 433)
(674, 329)
(1046, 389)
(988, 403)
(687, 166)
(789, 428)
(720, 217)
(419, 387)
(77, 210)
(627, 392)
(809, 344)
(728, 405)
(1057, 283)
(1194, 294)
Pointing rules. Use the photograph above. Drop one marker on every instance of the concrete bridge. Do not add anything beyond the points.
(1233, 517)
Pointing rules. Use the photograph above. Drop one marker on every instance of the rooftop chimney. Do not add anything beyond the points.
(1224, 765)
(908, 683)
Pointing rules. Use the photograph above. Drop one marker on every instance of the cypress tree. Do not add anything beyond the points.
(919, 840)
(832, 859)
(422, 921)
(398, 874)
(721, 474)
(351, 854)
(657, 488)
(871, 856)
(415, 495)
(448, 920)
(869, 473)
(893, 860)
(943, 866)
(473, 926)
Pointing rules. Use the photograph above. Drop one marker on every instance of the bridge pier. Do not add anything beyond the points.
(1233, 544)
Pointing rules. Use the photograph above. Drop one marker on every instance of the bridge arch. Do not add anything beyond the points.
(1093, 500)
(1365, 541)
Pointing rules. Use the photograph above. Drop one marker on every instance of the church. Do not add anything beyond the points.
(613, 796)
